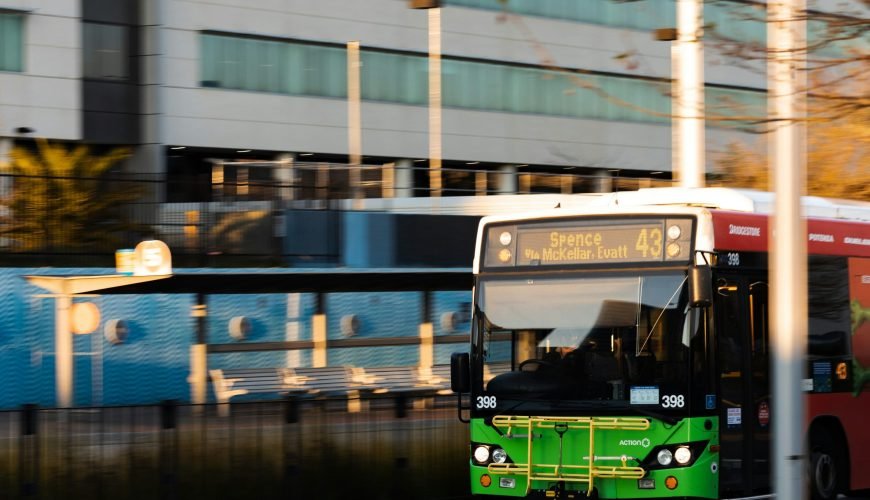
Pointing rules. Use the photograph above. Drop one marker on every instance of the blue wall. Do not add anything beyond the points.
(153, 363)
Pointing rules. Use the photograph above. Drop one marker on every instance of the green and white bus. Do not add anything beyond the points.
(621, 349)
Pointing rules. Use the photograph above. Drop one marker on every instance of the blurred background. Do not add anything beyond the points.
(251, 135)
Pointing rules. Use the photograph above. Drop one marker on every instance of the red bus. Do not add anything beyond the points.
(838, 347)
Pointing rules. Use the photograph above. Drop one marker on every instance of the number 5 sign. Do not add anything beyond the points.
(152, 257)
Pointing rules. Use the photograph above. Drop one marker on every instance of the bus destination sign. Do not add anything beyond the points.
(585, 244)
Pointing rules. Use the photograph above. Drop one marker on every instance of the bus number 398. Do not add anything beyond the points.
(486, 401)
(673, 401)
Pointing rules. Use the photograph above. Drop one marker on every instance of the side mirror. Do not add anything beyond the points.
(700, 286)
(459, 372)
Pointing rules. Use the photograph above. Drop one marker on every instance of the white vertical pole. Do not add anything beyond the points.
(63, 350)
(676, 121)
(435, 101)
(788, 257)
(198, 375)
(689, 110)
(354, 118)
(199, 355)
(427, 346)
(318, 336)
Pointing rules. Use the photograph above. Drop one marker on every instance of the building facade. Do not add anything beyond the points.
(555, 87)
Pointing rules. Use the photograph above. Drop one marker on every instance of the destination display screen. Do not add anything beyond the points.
(589, 242)
(590, 245)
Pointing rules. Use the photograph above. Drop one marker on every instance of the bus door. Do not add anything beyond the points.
(741, 310)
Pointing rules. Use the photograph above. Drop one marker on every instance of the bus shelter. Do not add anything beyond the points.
(201, 284)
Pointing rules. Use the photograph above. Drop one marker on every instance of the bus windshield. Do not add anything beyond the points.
(619, 338)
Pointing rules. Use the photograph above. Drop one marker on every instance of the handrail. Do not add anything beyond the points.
(571, 472)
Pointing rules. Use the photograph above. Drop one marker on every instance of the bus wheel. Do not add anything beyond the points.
(825, 467)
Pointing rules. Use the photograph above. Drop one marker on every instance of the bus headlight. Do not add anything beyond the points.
(481, 454)
(499, 456)
(664, 457)
(669, 456)
(683, 455)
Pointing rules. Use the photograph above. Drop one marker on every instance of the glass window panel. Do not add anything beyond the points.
(638, 14)
(453, 87)
(417, 83)
(334, 71)
(249, 65)
(11, 42)
(464, 89)
(208, 60)
(275, 66)
(304, 69)
(233, 54)
(294, 55)
(105, 51)
(90, 40)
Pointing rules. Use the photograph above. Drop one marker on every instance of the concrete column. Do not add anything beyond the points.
(284, 175)
(150, 156)
(604, 182)
(63, 351)
(403, 179)
(318, 335)
(481, 183)
(388, 180)
(566, 183)
(507, 180)
(149, 159)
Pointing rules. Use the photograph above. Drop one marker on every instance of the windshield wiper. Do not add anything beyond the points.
(659, 318)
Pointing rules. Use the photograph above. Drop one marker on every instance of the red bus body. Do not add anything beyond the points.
(747, 232)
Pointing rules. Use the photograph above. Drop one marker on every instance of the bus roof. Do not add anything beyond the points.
(735, 219)
(717, 198)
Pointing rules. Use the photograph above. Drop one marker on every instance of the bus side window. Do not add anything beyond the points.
(759, 315)
(829, 311)
(730, 352)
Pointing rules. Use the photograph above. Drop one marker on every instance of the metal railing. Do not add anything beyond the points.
(234, 217)
(397, 448)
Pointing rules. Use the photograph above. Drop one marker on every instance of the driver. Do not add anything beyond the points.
(566, 359)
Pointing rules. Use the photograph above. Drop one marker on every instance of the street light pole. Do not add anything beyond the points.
(688, 68)
(788, 241)
(354, 128)
(435, 101)
(434, 8)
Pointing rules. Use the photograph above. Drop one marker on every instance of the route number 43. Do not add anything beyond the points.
(673, 401)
